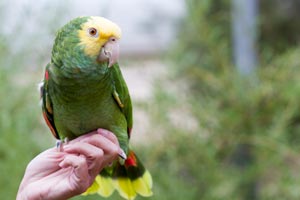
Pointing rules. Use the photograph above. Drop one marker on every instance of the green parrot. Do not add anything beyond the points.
(83, 89)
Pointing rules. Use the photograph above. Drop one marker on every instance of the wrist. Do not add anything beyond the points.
(25, 195)
(29, 193)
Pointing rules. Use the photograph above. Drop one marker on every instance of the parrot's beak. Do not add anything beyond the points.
(110, 52)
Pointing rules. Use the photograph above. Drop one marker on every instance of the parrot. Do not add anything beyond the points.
(83, 89)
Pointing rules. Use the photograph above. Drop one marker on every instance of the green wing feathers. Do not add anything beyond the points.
(123, 93)
(47, 107)
(129, 178)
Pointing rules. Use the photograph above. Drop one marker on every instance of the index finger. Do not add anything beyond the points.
(106, 133)
(109, 135)
(78, 139)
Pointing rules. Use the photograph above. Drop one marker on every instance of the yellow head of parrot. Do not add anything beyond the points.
(96, 32)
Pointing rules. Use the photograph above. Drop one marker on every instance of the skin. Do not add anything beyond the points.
(64, 174)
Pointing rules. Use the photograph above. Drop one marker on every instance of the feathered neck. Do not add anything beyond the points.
(79, 75)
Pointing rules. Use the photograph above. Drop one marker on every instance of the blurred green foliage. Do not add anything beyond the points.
(279, 26)
(248, 139)
(23, 133)
(19, 124)
(247, 142)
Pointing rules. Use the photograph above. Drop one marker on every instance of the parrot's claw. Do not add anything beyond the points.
(66, 140)
(60, 144)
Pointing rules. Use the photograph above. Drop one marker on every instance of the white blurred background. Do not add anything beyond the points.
(147, 25)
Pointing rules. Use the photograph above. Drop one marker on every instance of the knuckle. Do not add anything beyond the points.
(81, 161)
(96, 156)
(90, 138)
(99, 154)
(114, 137)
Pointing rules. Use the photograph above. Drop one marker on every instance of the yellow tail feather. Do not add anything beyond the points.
(143, 185)
(125, 188)
(102, 185)
(128, 189)
(106, 187)
(129, 178)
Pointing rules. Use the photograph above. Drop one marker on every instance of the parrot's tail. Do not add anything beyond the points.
(129, 179)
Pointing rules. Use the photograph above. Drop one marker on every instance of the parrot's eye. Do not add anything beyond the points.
(93, 32)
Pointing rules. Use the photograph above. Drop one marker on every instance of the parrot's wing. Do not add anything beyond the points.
(130, 177)
(121, 95)
(47, 104)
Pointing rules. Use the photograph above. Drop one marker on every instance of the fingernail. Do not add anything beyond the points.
(102, 131)
(122, 154)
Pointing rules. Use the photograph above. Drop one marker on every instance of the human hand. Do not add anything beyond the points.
(63, 174)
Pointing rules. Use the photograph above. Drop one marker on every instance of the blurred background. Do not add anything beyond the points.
(215, 88)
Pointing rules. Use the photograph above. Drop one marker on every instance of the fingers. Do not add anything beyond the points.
(110, 149)
(94, 155)
(78, 163)
(79, 180)
(100, 148)
(83, 136)
(109, 135)
(112, 137)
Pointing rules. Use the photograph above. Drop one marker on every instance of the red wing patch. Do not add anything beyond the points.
(50, 126)
(131, 160)
(46, 75)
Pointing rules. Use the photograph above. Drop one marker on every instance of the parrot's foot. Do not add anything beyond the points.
(60, 144)
(66, 140)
